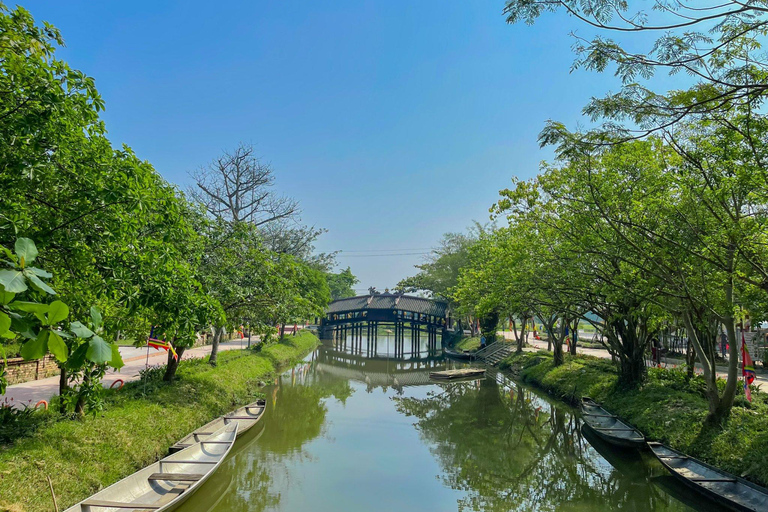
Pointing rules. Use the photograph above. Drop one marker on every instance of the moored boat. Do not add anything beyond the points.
(457, 374)
(166, 484)
(609, 427)
(726, 489)
(457, 355)
(245, 417)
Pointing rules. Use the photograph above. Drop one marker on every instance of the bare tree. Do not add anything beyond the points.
(237, 187)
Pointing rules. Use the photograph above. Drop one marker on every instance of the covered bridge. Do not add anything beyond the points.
(371, 310)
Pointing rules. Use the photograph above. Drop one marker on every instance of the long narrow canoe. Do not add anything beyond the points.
(166, 484)
(724, 488)
(245, 417)
(457, 355)
(457, 374)
(610, 428)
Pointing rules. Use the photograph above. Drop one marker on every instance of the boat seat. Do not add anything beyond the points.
(117, 504)
(239, 417)
(713, 480)
(176, 477)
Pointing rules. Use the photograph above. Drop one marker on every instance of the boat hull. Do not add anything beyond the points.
(152, 488)
(610, 428)
(255, 410)
(735, 494)
(457, 355)
(457, 374)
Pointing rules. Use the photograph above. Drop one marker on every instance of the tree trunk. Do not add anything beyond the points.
(62, 389)
(218, 333)
(690, 360)
(523, 334)
(631, 371)
(729, 393)
(488, 325)
(719, 406)
(557, 343)
(80, 405)
(574, 336)
(173, 364)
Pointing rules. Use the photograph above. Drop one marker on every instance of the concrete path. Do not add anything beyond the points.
(761, 381)
(134, 358)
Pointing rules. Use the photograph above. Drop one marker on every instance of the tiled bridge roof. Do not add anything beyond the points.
(390, 301)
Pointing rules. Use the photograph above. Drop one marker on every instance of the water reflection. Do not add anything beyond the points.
(344, 432)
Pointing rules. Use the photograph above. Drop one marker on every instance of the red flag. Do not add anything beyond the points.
(747, 367)
(158, 344)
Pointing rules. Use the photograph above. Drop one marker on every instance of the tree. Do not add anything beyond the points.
(341, 284)
(718, 46)
(110, 229)
(237, 187)
(41, 324)
(441, 271)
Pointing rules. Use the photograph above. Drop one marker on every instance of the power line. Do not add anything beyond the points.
(380, 255)
(389, 250)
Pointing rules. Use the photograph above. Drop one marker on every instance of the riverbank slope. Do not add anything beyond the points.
(134, 429)
(666, 408)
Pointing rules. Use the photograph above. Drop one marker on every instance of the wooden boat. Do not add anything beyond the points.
(457, 374)
(166, 484)
(728, 490)
(245, 417)
(457, 355)
(627, 462)
(609, 427)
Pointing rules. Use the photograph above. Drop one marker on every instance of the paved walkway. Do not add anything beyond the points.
(134, 358)
(761, 381)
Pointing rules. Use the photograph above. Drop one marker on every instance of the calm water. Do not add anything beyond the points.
(348, 432)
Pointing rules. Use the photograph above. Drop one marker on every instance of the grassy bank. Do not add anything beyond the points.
(83, 456)
(667, 408)
(471, 344)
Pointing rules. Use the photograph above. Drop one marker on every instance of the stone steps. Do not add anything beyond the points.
(493, 358)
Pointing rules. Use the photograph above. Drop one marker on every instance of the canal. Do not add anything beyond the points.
(352, 430)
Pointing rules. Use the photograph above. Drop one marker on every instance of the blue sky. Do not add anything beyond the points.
(391, 122)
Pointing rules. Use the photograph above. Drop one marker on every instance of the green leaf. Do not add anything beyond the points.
(29, 307)
(117, 359)
(39, 284)
(99, 350)
(6, 297)
(57, 346)
(39, 272)
(36, 347)
(13, 281)
(25, 248)
(5, 323)
(96, 317)
(58, 311)
(77, 359)
(80, 330)
(36, 308)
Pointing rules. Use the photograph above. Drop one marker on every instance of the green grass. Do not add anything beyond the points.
(83, 456)
(470, 344)
(666, 408)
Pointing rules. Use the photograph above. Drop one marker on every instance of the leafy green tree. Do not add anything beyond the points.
(342, 284)
(441, 272)
(25, 314)
(112, 231)
(719, 47)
